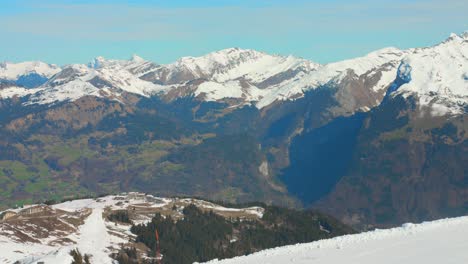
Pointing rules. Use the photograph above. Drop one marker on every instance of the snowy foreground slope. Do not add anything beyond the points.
(443, 241)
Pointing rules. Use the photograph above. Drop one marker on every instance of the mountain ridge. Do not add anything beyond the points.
(257, 78)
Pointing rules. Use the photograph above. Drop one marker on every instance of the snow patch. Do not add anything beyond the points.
(263, 168)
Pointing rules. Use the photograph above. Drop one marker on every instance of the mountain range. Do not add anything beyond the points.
(375, 140)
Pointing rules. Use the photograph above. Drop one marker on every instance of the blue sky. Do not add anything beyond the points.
(64, 32)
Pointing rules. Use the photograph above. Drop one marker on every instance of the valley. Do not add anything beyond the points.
(243, 126)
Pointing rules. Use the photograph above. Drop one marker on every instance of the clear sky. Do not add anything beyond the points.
(65, 32)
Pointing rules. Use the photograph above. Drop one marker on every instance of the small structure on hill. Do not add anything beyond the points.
(6, 215)
(34, 209)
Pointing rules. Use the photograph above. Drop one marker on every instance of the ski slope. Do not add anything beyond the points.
(92, 238)
(95, 235)
(443, 241)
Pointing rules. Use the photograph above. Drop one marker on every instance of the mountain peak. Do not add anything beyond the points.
(437, 75)
(387, 50)
(97, 62)
(464, 35)
(456, 38)
(224, 56)
(136, 58)
(11, 71)
(218, 61)
(236, 50)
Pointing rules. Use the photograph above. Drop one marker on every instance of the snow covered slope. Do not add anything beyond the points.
(12, 71)
(108, 79)
(48, 233)
(92, 236)
(442, 241)
(380, 65)
(437, 76)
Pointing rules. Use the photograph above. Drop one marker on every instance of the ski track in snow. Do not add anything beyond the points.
(92, 238)
(443, 241)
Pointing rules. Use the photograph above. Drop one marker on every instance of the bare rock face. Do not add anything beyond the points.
(355, 93)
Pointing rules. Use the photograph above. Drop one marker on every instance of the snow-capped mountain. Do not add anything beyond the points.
(101, 78)
(437, 75)
(229, 64)
(375, 73)
(12, 71)
(26, 74)
(441, 241)
(135, 65)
